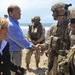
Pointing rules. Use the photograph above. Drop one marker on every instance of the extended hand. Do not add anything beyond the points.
(36, 47)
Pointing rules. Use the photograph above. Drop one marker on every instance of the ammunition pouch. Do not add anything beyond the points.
(55, 43)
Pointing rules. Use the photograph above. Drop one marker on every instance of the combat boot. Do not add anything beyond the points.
(27, 66)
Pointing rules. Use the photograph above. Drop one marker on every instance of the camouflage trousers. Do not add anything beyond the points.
(59, 69)
(55, 68)
(29, 54)
(52, 62)
(53, 71)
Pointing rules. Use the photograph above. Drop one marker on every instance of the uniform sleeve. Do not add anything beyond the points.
(27, 37)
(49, 32)
(46, 45)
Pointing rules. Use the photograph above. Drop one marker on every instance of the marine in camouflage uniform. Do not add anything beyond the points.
(36, 35)
(67, 65)
(72, 25)
(72, 38)
(56, 32)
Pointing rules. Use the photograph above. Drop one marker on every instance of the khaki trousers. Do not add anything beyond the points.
(29, 54)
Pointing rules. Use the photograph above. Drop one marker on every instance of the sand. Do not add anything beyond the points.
(33, 69)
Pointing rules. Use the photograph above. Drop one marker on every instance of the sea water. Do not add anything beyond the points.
(25, 26)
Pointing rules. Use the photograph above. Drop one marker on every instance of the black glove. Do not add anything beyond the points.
(23, 71)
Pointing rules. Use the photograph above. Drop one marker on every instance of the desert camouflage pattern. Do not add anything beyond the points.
(72, 13)
(37, 18)
(58, 7)
(56, 30)
(35, 33)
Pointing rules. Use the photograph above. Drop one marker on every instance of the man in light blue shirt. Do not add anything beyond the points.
(15, 36)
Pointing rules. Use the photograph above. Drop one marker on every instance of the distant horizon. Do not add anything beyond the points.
(25, 27)
(27, 24)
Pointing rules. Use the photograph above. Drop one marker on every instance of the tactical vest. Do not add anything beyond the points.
(35, 32)
(56, 33)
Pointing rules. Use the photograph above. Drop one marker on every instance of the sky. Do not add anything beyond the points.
(31, 8)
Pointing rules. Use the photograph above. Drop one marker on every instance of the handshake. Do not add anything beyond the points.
(37, 47)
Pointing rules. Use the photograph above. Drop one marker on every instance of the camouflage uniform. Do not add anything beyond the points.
(72, 38)
(56, 30)
(36, 34)
(69, 67)
(72, 32)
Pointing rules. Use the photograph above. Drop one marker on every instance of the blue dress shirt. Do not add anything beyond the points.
(15, 36)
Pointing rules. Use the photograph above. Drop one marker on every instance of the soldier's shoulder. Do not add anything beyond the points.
(53, 25)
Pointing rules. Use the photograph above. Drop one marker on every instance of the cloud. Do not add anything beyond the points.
(30, 8)
(24, 4)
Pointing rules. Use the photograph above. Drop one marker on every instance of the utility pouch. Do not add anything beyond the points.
(55, 43)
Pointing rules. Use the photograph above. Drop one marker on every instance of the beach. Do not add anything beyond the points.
(33, 70)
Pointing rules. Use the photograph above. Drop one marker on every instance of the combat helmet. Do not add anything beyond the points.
(37, 18)
(58, 7)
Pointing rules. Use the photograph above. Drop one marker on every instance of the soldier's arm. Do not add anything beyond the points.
(45, 46)
(27, 37)
(49, 32)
